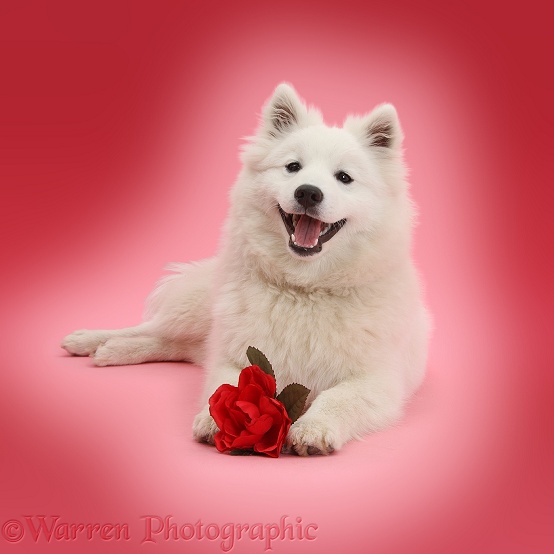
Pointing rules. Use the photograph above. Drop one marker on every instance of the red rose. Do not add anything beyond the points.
(248, 416)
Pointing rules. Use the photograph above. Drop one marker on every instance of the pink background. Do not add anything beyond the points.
(120, 127)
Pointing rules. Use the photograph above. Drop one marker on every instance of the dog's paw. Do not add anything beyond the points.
(204, 427)
(115, 351)
(309, 437)
(83, 342)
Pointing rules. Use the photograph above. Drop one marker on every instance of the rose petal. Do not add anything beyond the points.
(238, 416)
(251, 393)
(254, 375)
(250, 409)
(272, 453)
(273, 407)
(261, 425)
(246, 440)
(231, 428)
(220, 401)
(222, 393)
(272, 441)
(220, 442)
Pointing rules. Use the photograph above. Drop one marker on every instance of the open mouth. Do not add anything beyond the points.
(308, 234)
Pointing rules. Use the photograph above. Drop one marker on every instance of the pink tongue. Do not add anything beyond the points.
(307, 231)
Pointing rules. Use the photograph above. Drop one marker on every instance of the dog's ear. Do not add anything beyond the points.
(283, 112)
(380, 129)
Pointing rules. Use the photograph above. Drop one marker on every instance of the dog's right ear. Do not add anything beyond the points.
(283, 112)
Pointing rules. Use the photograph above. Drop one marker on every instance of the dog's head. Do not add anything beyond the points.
(313, 194)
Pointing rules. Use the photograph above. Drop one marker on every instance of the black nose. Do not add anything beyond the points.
(308, 196)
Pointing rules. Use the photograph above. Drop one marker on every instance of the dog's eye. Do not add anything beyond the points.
(293, 167)
(343, 177)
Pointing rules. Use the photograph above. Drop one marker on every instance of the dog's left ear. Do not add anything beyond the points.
(284, 112)
(380, 129)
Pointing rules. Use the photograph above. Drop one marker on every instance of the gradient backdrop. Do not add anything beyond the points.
(120, 127)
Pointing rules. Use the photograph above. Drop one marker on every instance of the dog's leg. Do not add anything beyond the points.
(85, 342)
(178, 320)
(344, 412)
(138, 350)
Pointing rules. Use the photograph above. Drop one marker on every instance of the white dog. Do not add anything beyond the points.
(314, 270)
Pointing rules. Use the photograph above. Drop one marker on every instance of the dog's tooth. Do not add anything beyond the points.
(293, 238)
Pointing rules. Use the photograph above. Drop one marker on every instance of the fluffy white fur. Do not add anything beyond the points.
(348, 322)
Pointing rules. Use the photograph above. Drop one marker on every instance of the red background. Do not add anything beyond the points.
(119, 132)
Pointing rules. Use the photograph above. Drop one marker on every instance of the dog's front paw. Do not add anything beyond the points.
(204, 427)
(309, 437)
(83, 342)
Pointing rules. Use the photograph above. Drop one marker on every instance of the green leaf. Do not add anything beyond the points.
(241, 452)
(245, 452)
(255, 357)
(294, 397)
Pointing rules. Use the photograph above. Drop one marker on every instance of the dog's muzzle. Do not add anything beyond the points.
(307, 234)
